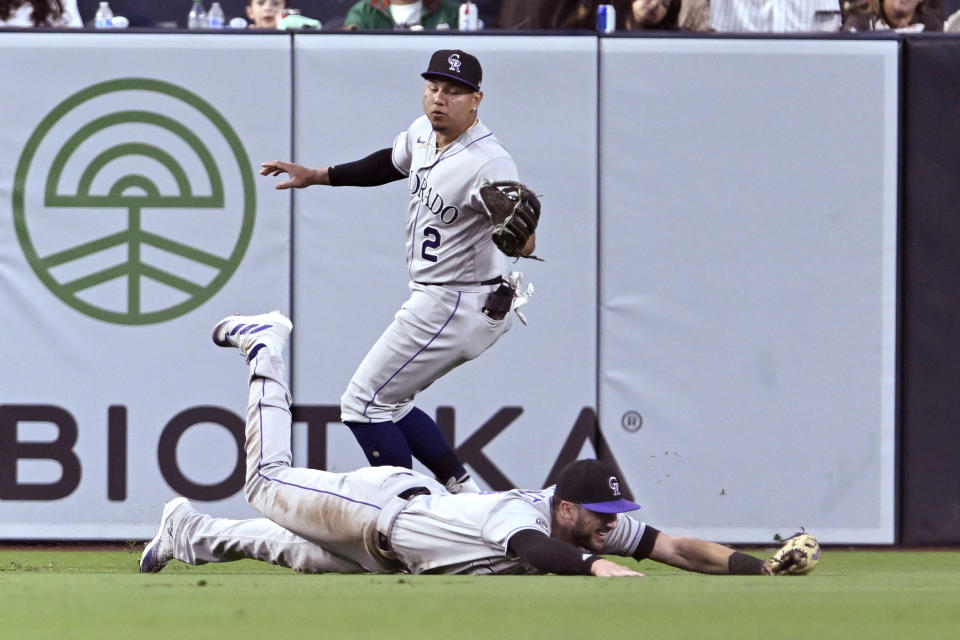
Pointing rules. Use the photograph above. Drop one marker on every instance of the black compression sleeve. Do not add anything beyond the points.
(376, 169)
(646, 543)
(549, 554)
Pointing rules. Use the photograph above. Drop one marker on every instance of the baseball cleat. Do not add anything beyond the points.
(159, 551)
(249, 334)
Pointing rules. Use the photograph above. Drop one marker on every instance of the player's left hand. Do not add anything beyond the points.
(606, 569)
(515, 212)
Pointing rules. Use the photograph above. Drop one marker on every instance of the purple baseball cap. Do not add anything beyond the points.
(594, 485)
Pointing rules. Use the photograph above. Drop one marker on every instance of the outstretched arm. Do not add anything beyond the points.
(701, 556)
(376, 169)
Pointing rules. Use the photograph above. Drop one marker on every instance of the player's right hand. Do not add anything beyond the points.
(300, 176)
(607, 569)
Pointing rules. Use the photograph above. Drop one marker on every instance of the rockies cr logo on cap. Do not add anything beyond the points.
(454, 64)
(454, 61)
(614, 485)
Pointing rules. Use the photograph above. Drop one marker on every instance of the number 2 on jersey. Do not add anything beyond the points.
(432, 242)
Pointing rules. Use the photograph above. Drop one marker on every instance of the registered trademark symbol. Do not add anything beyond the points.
(631, 421)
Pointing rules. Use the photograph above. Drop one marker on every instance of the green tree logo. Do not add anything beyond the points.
(119, 199)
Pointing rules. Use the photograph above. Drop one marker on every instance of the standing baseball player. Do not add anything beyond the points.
(387, 519)
(466, 213)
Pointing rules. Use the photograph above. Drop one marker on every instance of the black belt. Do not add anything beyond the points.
(497, 280)
(412, 492)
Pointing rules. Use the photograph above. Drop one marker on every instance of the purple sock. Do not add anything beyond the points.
(429, 446)
(382, 443)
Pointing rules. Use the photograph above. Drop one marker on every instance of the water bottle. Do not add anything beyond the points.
(469, 18)
(216, 17)
(104, 17)
(197, 18)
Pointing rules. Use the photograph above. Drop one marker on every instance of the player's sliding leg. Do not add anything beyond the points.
(197, 538)
(337, 511)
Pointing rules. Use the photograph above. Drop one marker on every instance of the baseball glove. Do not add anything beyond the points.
(514, 211)
(798, 556)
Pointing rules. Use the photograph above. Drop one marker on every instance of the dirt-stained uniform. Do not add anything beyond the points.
(352, 522)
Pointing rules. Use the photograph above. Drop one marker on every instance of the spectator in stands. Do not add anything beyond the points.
(908, 15)
(403, 14)
(488, 12)
(263, 13)
(766, 16)
(40, 13)
(579, 14)
(952, 24)
(899, 15)
(518, 14)
(663, 15)
(669, 15)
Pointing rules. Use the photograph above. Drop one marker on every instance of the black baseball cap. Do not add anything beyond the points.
(454, 64)
(594, 485)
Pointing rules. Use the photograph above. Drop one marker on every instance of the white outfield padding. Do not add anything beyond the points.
(738, 229)
(748, 283)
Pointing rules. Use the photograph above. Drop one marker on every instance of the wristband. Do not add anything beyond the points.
(742, 564)
(588, 560)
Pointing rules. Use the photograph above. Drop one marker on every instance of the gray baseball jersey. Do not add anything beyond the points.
(469, 533)
(449, 244)
(448, 228)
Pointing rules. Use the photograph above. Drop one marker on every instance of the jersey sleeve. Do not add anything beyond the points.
(629, 537)
(402, 155)
(513, 515)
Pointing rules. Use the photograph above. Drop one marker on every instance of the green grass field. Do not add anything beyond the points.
(98, 594)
